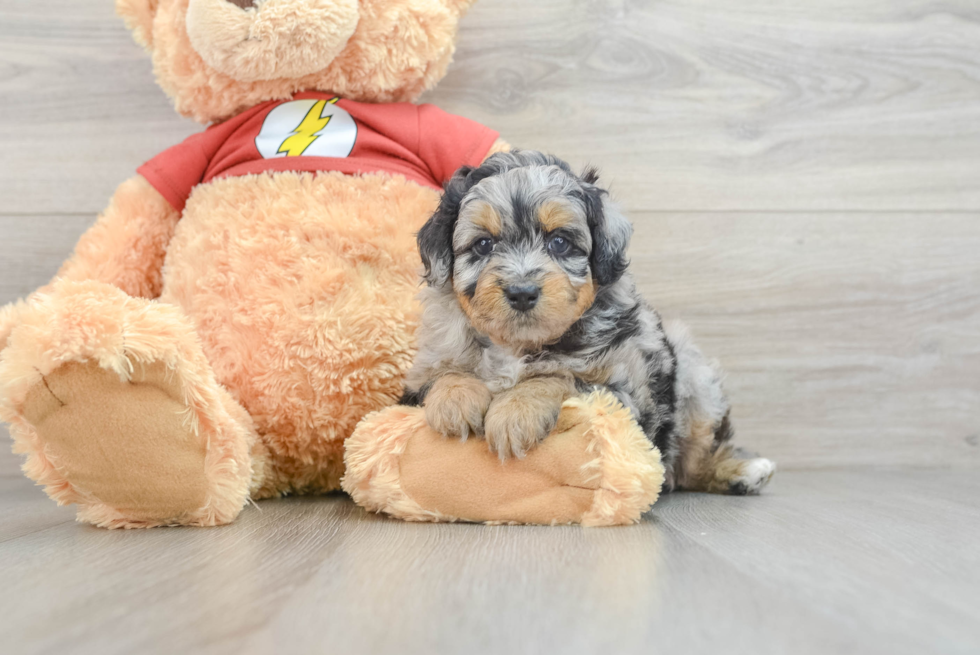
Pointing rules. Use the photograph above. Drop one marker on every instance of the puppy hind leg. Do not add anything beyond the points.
(709, 462)
(706, 459)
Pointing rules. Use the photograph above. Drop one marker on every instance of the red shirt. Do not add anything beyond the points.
(321, 132)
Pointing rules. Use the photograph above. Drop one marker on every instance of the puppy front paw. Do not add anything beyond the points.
(456, 404)
(517, 421)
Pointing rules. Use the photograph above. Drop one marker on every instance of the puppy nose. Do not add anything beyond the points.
(523, 297)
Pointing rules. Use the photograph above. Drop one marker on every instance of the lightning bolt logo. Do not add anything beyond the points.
(306, 132)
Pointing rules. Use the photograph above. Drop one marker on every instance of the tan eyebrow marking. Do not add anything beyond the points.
(554, 215)
(488, 219)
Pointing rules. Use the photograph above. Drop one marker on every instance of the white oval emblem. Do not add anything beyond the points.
(309, 128)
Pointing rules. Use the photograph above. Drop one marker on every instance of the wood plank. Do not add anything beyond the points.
(33, 248)
(870, 562)
(848, 339)
(79, 109)
(749, 105)
(863, 535)
(25, 508)
(9, 463)
(744, 105)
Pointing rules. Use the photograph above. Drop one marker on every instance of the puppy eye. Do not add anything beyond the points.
(483, 247)
(559, 245)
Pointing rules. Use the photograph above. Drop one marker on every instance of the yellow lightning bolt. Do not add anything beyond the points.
(306, 132)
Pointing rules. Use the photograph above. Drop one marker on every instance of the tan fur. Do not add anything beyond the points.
(521, 417)
(585, 298)
(714, 472)
(127, 245)
(488, 219)
(456, 404)
(626, 464)
(555, 215)
(705, 466)
(561, 303)
(596, 375)
(695, 467)
(488, 310)
(347, 246)
(279, 39)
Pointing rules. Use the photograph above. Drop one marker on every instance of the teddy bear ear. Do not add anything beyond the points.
(138, 15)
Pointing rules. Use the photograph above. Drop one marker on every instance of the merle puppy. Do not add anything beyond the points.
(528, 301)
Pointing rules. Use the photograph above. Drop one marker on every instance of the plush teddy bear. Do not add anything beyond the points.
(248, 297)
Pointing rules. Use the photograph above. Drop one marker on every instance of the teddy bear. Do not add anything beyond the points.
(247, 299)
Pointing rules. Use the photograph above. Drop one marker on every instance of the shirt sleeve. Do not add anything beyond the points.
(176, 171)
(447, 142)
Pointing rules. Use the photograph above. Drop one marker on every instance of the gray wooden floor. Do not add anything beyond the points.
(804, 177)
(829, 561)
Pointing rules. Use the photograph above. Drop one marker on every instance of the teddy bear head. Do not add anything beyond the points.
(218, 57)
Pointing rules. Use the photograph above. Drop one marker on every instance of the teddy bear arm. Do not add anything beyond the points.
(595, 468)
(128, 243)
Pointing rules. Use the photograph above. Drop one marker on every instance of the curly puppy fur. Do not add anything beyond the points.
(528, 301)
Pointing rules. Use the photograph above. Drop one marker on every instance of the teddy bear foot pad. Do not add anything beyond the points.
(118, 412)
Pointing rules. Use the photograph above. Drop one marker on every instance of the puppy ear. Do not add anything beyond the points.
(435, 239)
(590, 175)
(611, 232)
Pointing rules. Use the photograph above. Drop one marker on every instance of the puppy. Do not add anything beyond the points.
(528, 301)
